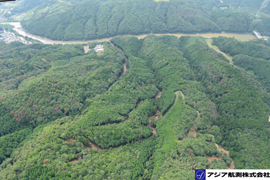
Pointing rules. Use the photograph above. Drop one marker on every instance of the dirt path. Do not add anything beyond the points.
(263, 5)
(124, 67)
(176, 93)
(183, 96)
(138, 104)
(158, 95)
(70, 140)
(94, 145)
(154, 132)
(43, 59)
(230, 59)
(37, 67)
(198, 115)
(213, 158)
(192, 129)
(219, 158)
(225, 55)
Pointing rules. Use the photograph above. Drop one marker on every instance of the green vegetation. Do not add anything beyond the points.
(70, 115)
(255, 48)
(95, 19)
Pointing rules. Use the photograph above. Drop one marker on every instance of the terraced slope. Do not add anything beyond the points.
(107, 123)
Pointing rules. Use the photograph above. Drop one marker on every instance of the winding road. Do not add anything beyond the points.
(18, 28)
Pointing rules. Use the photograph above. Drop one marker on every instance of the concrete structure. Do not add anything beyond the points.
(258, 35)
(99, 48)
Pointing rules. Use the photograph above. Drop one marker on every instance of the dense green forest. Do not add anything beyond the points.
(179, 106)
(95, 19)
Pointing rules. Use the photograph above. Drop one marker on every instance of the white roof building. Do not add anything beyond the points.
(99, 48)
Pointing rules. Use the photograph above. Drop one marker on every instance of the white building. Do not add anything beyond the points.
(99, 48)
(9, 37)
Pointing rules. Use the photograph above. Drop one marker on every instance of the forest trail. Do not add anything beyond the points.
(192, 129)
(198, 115)
(154, 132)
(263, 5)
(183, 96)
(124, 63)
(71, 140)
(158, 95)
(43, 59)
(37, 67)
(229, 58)
(213, 158)
(124, 67)
(219, 158)
(138, 103)
(94, 145)
(74, 160)
(176, 93)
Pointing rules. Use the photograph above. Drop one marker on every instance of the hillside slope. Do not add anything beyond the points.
(95, 19)
(179, 106)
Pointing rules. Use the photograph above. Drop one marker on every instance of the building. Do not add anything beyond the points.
(9, 37)
(258, 35)
(99, 48)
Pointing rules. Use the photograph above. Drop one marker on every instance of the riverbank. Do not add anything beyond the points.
(18, 28)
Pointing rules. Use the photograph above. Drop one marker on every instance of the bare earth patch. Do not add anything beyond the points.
(213, 158)
(95, 146)
(43, 59)
(37, 67)
(158, 94)
(77, 159)
(223, 151)
(70, 140)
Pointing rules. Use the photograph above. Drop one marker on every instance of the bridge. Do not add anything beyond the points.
(258, 35)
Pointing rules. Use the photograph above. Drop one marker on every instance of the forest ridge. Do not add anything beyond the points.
(143, 109)
(95, 19)
(70, 115)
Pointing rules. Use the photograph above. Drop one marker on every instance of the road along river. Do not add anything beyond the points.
(18, 28)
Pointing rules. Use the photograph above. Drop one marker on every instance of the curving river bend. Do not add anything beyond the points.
(18, 28)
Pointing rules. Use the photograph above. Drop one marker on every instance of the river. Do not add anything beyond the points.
(18, 28)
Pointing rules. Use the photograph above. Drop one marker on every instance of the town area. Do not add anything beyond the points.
(9, 37)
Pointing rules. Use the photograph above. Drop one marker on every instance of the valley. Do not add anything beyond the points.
(18, 28)
(138, 90)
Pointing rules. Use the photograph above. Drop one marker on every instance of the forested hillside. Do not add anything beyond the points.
(251, 56)
(95, 19)
(153, 108)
